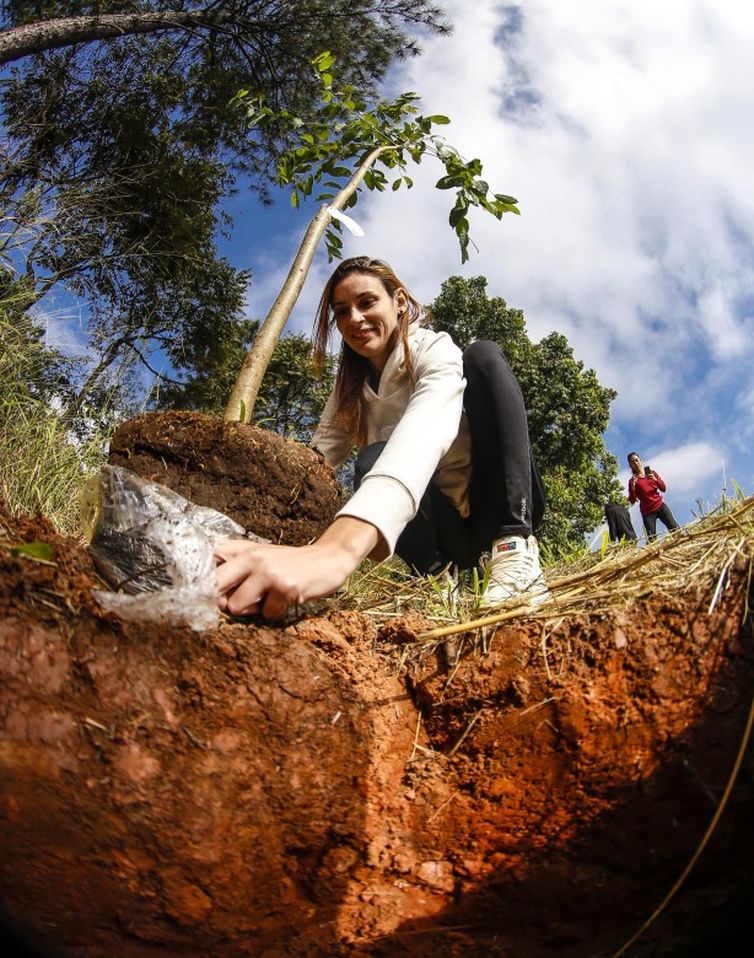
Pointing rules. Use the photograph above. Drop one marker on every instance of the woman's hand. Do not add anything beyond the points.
(258, 577)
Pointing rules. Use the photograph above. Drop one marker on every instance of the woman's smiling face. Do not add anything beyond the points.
(367, 316)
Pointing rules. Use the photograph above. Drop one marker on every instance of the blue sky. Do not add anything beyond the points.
(624, 128)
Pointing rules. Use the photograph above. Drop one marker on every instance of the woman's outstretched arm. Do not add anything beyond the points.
(256, 577)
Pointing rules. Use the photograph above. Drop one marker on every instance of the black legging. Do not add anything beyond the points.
(506, 495)
(665, 516)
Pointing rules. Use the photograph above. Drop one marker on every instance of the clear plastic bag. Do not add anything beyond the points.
(155, 547)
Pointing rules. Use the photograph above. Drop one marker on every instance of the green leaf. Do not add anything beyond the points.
(333, 244)
(604, 544)
(396, 184)
(457, 213)
(448, 182)
(494, 208)
(438, 119)
(323, 61)
(238, 98)
(39, 551)
(461, 226)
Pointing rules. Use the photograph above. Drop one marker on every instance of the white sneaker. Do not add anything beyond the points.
(514, 570)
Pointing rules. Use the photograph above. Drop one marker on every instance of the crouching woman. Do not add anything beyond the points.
(444, 472)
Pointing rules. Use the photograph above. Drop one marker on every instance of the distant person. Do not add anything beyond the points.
(619, 525)
(646, 485)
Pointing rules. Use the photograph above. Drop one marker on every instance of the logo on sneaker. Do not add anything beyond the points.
(506, 546)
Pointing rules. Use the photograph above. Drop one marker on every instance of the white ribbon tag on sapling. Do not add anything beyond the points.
(350, 224)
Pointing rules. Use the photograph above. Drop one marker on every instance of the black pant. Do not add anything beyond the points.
(506, 494)
(619, 524)
(664, 515)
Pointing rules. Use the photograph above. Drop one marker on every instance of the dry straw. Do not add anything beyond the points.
(698, 558)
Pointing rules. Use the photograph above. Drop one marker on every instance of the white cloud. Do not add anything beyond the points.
(64, 327)
(725, 329)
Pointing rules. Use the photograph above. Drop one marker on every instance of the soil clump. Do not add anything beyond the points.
(274, 487)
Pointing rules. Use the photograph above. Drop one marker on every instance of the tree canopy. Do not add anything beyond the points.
(567, 407)
(120, 151)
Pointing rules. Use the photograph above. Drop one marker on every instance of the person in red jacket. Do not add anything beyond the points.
(646, 485)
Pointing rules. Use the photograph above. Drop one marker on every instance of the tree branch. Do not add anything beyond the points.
(45, 35)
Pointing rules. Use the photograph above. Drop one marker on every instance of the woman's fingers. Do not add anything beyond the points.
(258, 594)
(250, 579)
(262, 577)
(244, 600)
(231, 572)
(275, 604)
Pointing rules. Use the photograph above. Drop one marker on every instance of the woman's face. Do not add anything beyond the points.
(367, 316)
(635, 464)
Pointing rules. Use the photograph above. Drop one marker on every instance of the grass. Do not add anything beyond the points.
(42, 467)
(41, 470)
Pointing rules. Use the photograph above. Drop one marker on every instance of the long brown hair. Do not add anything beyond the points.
(354, 369)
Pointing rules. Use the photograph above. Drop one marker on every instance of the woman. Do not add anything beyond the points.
(646, 485)
(444, 470)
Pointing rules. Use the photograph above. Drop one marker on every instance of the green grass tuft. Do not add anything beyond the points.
(42, 465)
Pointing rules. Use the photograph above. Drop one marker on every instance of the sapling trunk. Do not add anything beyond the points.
(246, 389)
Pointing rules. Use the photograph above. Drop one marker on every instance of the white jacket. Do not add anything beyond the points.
(425, 429)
